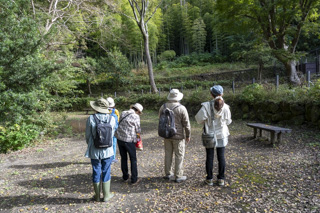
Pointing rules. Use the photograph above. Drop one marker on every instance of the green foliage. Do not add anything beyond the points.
(69, 104)
(117, 68)
(199, 34)
(16, 108)
(314, 92)
(16, 137)
(167, 55)
(253, 93)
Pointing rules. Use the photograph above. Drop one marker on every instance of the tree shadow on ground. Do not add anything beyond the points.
(75, 183)
(10, 202)
(46, 166)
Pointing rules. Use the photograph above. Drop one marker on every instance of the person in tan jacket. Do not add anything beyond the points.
(176, 144)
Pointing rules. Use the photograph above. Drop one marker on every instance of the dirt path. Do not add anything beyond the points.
(56, 177)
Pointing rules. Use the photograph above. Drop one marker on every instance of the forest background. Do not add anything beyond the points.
(57, 55)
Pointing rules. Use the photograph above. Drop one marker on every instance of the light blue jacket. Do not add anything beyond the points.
(91, 132)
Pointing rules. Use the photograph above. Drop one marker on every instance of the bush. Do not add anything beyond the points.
(167, 55)
(253, 93)
(16, 137)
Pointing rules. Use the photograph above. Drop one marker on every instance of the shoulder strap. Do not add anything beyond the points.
(124, 117)
(176, 107)
(96, 119)
(212, 111)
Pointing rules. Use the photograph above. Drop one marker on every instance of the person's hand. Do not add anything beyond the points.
(187, 140)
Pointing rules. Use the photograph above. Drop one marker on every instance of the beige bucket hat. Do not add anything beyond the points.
(101, 105)
(175, 95)
(137, 106)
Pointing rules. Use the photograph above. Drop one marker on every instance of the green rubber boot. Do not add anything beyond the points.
(107, 195)
(96, 187)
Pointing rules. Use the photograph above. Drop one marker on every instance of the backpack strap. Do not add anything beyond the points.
(212, 116)
(97, 120)
(176, 106)
(124, 117)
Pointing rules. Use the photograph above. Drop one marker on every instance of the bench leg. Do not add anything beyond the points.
(279, 137)
(260, 132)
(272, 137)
(254, 132)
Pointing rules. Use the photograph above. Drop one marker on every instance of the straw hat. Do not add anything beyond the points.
(137, 106)
(101, 105)
(175, 95)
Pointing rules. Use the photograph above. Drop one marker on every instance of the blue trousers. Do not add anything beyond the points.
(101, 169)
(114, 145)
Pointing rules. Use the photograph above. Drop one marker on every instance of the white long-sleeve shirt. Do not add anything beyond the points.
(222, 119)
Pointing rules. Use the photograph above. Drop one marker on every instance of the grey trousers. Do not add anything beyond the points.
(178, 148)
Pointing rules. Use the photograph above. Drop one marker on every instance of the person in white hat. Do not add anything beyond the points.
(128, 129)
(176, 144)
(115, 113)
(101, 158)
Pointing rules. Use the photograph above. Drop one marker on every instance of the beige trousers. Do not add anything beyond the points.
(178, 148)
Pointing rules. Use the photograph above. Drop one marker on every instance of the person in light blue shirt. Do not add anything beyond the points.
(101, 158)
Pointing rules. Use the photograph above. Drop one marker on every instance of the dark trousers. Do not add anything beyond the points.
(126, 148)
(221, 162)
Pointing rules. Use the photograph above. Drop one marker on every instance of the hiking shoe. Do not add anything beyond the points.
(180, 179)
(169, 177)
(220, 182)
(135, 183)
(209, 182)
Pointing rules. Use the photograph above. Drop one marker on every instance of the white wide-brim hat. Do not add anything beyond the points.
(137, 106)
(175, 95)
(111, 102)
(101, 105)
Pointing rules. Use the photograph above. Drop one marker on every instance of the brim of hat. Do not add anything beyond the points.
(178, 98)
(135, 108)
(98, 109)
(112, 105)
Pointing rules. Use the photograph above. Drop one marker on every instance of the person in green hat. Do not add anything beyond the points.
(101, 158)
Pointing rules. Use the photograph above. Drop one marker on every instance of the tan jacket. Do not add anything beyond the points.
(182, 121)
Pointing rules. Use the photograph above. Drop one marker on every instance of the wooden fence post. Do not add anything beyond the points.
(308, 78)
(233, 87)
(277, 82)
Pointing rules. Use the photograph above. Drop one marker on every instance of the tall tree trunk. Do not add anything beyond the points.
(89, 86)
(260, 71)
(292, 72)
(149, 63)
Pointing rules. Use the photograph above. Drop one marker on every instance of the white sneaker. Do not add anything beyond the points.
(180, 179)
(220, 182)
(209, 182)
(169, 177)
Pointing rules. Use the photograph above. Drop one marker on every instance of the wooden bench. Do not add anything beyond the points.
(87, 110)
(274, 130)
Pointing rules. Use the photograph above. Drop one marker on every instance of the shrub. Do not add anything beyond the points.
(16, 137)
(253, 93)
(167, 55)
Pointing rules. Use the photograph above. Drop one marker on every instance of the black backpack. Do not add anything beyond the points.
(167, 128)
(103, 137)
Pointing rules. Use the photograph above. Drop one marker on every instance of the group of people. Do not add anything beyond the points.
(215, 115)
